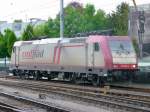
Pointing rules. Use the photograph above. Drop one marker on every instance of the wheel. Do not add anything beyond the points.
(18, 73)
(75, 79)
(95, 80)
(22, 75)
(14, 73)
(36, 75)
(98, 81)
(49, 78)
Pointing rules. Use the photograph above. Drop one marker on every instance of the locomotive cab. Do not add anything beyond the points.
(123, 54)
(124, 59)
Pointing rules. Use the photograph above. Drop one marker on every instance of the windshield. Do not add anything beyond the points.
(121, 46)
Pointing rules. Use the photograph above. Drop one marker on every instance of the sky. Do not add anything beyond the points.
(11, 10)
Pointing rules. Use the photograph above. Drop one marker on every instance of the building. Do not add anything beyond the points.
(18, 26)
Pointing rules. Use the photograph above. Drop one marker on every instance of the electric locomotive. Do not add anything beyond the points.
(82, 59)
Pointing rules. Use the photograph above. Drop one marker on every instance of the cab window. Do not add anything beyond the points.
(96, 46)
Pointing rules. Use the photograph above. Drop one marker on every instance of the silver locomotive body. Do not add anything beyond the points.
(76, 59)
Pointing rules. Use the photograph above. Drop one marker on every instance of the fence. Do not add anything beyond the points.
(4, 64)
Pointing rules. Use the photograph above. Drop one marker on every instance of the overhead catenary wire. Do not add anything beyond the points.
(52, 6)
(26, 10)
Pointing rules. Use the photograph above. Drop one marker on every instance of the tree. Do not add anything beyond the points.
(9, 39)
(80, 20)
(88, 15)
(101, 20)
(53, 27)
(18, 21)
(73, 19)
(40, 30)
(3, 47)
(6, 43)
(28, 32)
(119, 20)
(77, 19)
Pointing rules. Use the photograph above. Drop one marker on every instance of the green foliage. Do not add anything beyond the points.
(6, 43)
(53, 28)
(28, 32)
(18, 21)
(40, 30)
(101, 20)
(119, 20)
(77, 19)
(11, 38)
(49, 28)
(73, 20)
(3, 47)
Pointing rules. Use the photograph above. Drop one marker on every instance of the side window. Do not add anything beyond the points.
(96, 46)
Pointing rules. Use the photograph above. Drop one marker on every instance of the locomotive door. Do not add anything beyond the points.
(90, 55)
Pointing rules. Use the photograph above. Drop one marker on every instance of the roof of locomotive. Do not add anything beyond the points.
(118, 38)
(111, 37)
(52, 40)
(69, 40)
(64, 40)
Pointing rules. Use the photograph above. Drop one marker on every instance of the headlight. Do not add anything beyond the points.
(133, 66)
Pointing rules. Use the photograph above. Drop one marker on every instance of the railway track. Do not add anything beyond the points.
(24, 100)
(130, 88)
(125, 102)
(8, 108)
(116, 91)
(71, 87)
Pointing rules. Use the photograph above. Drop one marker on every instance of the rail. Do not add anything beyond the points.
(87, 95)
(9, 108)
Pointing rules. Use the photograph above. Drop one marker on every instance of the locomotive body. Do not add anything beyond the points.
(89, 59)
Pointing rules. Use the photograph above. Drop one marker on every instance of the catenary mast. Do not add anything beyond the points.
(61, 19)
